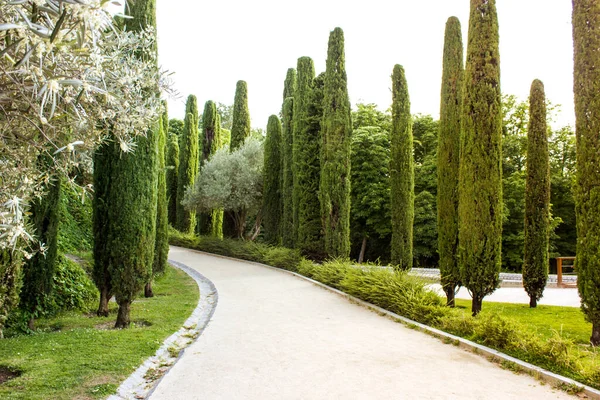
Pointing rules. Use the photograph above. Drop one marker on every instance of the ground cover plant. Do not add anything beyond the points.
(77, 355)
(551, 337)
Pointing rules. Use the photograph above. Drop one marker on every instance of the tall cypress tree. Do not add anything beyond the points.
(448, 158)
(334, 188)
(586, 38)
(38, 271)
(308, 112)
(290, 83)
(240, 130)
(272, 201)
(211, 137)
(188, 164)
(172, 165)
(401, 173)
(10, 284)
(537, 198)
(161, 245)
(287, 185)
(217, 215)
(480, 171)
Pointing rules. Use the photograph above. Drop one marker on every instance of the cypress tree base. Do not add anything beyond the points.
(148, 290)
(104, 298)
(449, 297)
(476, 305)
(532, 302)
(31, 324)
(123, 320)
(595, 339)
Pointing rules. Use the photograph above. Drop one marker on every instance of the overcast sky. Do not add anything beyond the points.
(210, 45)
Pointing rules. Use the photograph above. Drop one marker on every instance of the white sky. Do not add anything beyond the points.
(210, 45)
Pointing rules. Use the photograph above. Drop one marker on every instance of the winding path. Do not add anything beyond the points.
(275, 336)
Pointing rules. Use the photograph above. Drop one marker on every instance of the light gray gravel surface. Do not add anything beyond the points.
(275, 336)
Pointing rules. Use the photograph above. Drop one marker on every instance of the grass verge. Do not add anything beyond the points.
(78, 356)
(554, 338)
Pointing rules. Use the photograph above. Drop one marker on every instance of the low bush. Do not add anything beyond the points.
(408, 296)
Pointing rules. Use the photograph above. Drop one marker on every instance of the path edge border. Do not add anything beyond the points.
(476, 348)
(138, 385)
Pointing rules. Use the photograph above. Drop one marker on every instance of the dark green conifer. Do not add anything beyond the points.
(289, 86)
(125, 205)
(240, 130)
(401, 173)
(586, 38)
(287, 186)
(188, 164)
(448, 157)
(334, 188)
(537, 198)
(211, 139)
(272, 201)
(308, 113)
(10, 284)
(480, 171)
(38, 271)
(172, 162)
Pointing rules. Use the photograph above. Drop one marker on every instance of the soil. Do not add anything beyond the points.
(7, 374)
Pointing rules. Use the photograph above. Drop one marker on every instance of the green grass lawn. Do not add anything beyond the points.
(569, 322)
(81, 356)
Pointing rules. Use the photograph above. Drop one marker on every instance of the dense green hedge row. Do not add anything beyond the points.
(408, 296)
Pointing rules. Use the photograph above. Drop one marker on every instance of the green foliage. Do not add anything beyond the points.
(282, 257)
(188, 164)
(308, 113)
(226, 113)
(425, 235)
(586, 37)
(232, 182)
(10, 284)
(176, 127)
(480, 173)
(401, 173)
(537, 198)
(272, 173)
(172, 173)
(38, 271)
(211, 142)
(334, 186)
(74, 233)
(368, 115)
(73, 288)
(290, 84)
(370, 195)
(448, 156)
(240, 127)
(287, 185)
(161, 246)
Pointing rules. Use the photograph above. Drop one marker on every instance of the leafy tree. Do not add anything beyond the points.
(425, 233)
(308, 112)
(188, 164)
(226, 113)
(210, 143)
(172, 167)
(537, 198)
(401, 173)
(480, 173)
(231, 181)
(272, 203)
(287, 185)
(370, 195)
(334, 187)
(10, 284)
(38, 271)
(369, 115)
(176, 127)
(586, 38)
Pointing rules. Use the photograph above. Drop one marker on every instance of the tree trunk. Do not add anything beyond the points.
(257, 225)
(595, 339)
(240, 223)
(363, 248)
(532, 302)
(123, 315)
(476, 305)
(450, 297)
(31, 324)
(148, 290)
(104, 298)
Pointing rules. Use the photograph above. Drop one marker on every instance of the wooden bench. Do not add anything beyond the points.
(559, 267)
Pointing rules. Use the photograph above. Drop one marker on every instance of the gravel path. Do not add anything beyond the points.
(275, 336)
